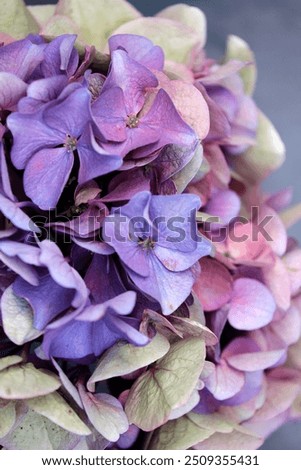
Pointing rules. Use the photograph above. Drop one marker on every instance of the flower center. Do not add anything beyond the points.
(147, 243)
(70, 143)
(132, 121)
(95, 86)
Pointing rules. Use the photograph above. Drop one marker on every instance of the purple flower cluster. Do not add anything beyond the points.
(136, 277)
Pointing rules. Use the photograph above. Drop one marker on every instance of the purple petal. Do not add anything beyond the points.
(162, 211)
(99, 248)
(244, 127)
(252, 305)
(103, 336)
(18, 218)
(219, 123)
(72, 341)
(47, 300)
(27, 253)
(140, 49)
(60, 56)
(123, 304)
(5, 184)
(27, 272)
(20, 58)
(62, 273)
(176, 260)
(224, 99)
(110, 115)
(117, 231)
(102, 279)
(24, 145)
(126, 185)
(94, 161)
(127, 331)
(132, 78)
(71, 115)
(42, 91)
(46, 175)
(170, 289)
(12, 89)
(85, 225)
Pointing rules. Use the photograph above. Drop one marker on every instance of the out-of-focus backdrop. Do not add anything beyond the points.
(273, 30)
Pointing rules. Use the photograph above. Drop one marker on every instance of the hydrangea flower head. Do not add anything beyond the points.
(150, 294)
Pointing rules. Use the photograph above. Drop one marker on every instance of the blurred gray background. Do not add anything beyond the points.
(273, 30)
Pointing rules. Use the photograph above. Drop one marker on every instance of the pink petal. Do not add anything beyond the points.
(275, 229)
(288, 328)
(280, 200)
(282, 389)
(277, 279)
(189, 102)
(244, 354)
(292, 262)
(224, 204)
(218, 164)
(252, 305)
(214, 285)
(225, 382)
(246, 248)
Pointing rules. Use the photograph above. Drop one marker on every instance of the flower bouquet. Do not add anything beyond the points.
(150, 295)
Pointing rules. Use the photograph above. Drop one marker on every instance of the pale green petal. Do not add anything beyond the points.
(41, 13)
(7, 418)
(192, 401)
(59, 24)
(213, 422)
(96, 19)
(105, 413)
(291, 216)
(189, 16)
(16, 20)
(189, 327)
(177, 435)
(123, 359)
(203, 432)
(17, 318)
(184, 176)
(177, 40)
(35, 432)
(9, 361)
(266, 156)
(25, 381)
(57, 410)
(235, 440)
(238, 49)
(166, 386)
